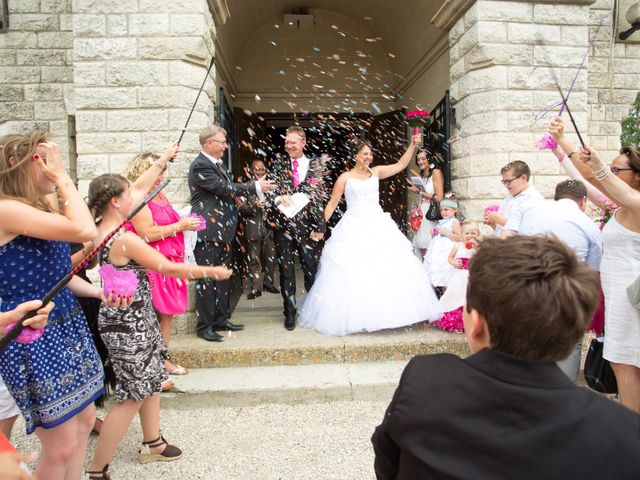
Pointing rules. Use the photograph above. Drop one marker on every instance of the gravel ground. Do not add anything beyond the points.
(322, 441)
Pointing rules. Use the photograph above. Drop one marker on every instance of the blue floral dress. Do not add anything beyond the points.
(57, 376)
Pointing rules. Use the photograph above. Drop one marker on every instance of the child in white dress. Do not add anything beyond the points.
(454, 298)
(444, 236)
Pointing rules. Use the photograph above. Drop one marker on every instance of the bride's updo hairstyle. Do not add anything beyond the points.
(101, 190)
(360, 146)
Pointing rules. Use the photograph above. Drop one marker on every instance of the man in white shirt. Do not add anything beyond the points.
(515, 177)
(303, 233)
(565, 219)
(212, 196)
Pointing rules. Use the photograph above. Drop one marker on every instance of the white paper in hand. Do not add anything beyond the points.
(300, 201)
(418, 183)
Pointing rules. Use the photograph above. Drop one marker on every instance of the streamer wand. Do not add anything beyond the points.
(566, 105)
(19, 326)
(213, 59)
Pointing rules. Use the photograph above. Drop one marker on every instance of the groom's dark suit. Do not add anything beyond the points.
(212, 196)
(293, 235)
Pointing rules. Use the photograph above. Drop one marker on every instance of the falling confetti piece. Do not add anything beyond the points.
(258, 98)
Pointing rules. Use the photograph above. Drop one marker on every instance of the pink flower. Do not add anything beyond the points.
(313, 181)
(417, 118)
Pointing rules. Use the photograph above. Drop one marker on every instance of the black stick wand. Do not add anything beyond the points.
(566, 105)
(213, 59)
(19, 326)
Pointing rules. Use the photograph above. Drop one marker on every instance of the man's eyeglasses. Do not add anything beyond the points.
(219, 141)
(507, 181)
(616, 170)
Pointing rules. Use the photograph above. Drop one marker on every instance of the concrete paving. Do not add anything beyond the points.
(275, 441)
(294, 385)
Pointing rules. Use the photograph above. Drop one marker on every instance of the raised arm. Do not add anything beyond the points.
(150, 232)
(616, 189)
(74, 224)
(385, 171)
(144, 183)
(556, 128)
(131, 247)
(336, 195)
(593, 193)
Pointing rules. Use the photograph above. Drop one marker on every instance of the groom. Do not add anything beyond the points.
(304, 232)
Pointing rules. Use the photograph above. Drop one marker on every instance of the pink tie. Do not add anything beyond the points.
(296, 177)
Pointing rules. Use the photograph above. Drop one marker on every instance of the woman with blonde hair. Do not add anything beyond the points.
(55, 379)
(161, 227)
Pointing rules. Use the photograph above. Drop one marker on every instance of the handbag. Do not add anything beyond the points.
(597, 370)
(633, 292)
(415, 218)
(433, 214)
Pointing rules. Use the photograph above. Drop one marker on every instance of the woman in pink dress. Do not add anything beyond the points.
(161, 226)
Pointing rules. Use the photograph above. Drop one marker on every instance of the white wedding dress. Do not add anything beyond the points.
(368, 279)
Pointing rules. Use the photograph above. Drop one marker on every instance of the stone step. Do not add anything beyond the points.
(265, 342)
(293, 384)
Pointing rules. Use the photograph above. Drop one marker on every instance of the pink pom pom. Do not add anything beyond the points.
(547, 142)
(465, 263)
(203, 222)
(492, 208)
(121, 283)
(27, 335)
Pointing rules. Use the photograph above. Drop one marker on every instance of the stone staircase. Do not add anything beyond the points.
(266, 363)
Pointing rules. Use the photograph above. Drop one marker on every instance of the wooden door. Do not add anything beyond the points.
(388, 139)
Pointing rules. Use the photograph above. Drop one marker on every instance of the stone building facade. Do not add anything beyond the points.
(110, 78)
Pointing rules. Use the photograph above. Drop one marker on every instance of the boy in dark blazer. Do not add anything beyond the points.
(508, 411)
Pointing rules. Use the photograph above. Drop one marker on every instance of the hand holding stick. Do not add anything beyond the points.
(15, 331)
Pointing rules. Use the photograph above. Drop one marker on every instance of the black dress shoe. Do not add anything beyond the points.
(232, 327)
(252, 294)
(272, 289)
(290, 323)
(210, 336)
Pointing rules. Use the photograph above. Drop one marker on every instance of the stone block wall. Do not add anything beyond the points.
(136, 74)
(36, 69)
(613, 82)
(505, 60)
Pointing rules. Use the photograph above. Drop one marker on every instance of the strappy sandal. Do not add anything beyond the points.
(169, 454)
(101, 475)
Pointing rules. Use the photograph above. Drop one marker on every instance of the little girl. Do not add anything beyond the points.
(444, 235)
(454, 298)
(136, 350)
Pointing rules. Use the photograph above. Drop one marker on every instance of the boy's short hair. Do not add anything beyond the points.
(536, 296)
(518, 168)
(572, 189)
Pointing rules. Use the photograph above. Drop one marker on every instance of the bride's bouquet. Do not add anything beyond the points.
(417, 119)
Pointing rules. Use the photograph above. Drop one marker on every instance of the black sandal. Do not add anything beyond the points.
(101, 475)
(169, 454)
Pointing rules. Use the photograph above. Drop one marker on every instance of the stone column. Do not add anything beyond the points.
(36, 71)
(506, 57)
(137, 67)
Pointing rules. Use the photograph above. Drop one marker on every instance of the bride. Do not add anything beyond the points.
(368, 279)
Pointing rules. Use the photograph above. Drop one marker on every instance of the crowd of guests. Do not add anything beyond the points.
(55, 381)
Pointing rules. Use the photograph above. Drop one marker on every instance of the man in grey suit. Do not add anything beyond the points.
(212, 196)
(262, 251)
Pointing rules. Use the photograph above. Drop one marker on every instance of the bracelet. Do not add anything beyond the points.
(602, 173)
(577, 150)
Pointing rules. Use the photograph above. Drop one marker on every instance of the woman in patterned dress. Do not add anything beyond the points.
(55, 379)
(132, 335)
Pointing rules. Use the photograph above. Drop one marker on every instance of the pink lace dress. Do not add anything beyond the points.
(170, 295)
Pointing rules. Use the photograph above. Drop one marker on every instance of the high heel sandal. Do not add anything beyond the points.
(169, 454)
(101, 475)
